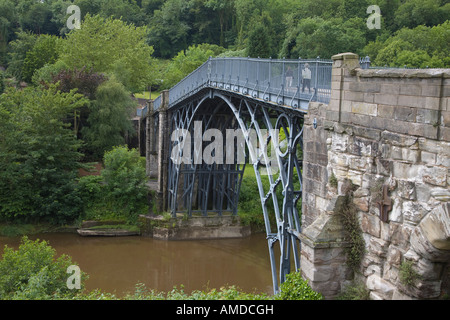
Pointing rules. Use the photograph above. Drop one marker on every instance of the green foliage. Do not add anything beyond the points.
(259, 42)
(33, 272)
(45, 51)
(312, 37)
(407, 274)
(39, 155)
(347, 213)
(296, 288)
(419, 47)
(18, 52)
(113, 47)
(109, 118)
(120, 191)
(354, 291)
(187, 61)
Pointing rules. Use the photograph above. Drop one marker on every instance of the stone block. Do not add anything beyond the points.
(435, 175)
(386, 111)
(423, 192)
(332, 115)
(431, 103)
(390, 89)
(410, 155)
(363, 147)
(364, 108)
(355, 177)
(427, 116)
(398, 139)
(444, 134)
(445, 118)
(394, 256)
(436, 228)
(405, 171)
(387, 99)
(370, 224)
(413, 212)
(428, 158)
(411, 89)
(430, 90)
(441, 194)
(429, 145)
(362, 203)
(407, 189)
(399, 235)
(378, 247)
(365, 132)
(405, 114)
(396, 213)
(380, 286)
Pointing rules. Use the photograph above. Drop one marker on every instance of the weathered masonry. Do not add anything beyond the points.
(383, 142)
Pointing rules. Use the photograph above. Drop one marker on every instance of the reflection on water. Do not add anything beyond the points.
(117, 264)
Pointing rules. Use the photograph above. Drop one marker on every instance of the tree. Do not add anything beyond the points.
(413, 13)
(109, 118)
(39, 156)
(318, 37)
(8, 23)
(36, 17)
(169, 29)
(418, 47)
(25, 42)
(259, 42)
(113, 47)
(44, 51)
(187, 61)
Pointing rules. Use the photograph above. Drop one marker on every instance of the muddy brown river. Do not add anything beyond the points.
(117, 264)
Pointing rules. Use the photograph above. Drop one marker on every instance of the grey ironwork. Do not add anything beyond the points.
(248, 96)
(263, 79)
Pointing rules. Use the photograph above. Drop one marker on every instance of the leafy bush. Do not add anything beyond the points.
(120, 191)
(354, 291)
(39, 156)
(223, 293)
(33, 272)
(296, 288)
(408, 275)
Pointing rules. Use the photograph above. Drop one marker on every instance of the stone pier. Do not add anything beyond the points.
(388, 132)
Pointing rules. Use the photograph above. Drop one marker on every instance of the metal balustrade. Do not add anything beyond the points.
(262, 79)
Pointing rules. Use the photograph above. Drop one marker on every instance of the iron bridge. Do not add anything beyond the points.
(257, 106)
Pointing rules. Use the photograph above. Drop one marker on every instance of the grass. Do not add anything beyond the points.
(146, 95)
(20, 229)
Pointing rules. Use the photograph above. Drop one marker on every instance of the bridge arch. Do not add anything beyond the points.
(196, 186)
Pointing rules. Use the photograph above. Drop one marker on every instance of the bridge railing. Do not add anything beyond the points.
(284, 82)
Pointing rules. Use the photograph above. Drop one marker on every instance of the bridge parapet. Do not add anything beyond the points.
(291, 83)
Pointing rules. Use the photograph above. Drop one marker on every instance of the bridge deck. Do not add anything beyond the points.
(281, 82)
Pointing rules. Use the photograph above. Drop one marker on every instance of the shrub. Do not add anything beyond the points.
(354, 291)
(296, 288)
(408, 276)
(32, 272)
(120, 191)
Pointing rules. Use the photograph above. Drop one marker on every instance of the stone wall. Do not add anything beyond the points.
(388, 132)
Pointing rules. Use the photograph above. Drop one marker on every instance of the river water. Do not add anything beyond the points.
(117, 264)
